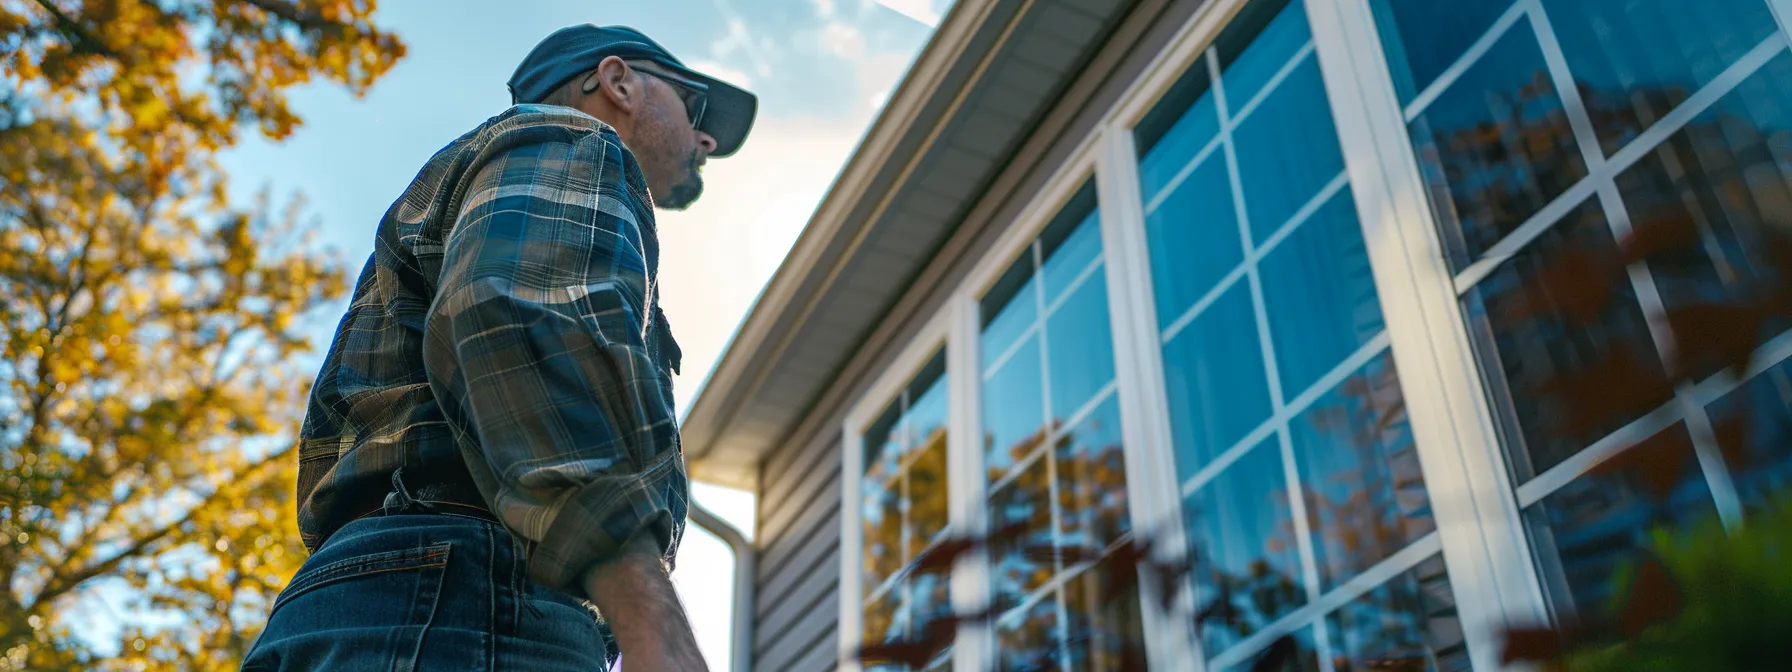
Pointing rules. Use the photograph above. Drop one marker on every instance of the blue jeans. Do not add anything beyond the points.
(426, 592)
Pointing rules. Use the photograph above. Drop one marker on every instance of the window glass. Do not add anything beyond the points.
(1359, 471)
(903, 509)
(1056, 462)
(1409, 623)
(1422, 38)
(1279, 384)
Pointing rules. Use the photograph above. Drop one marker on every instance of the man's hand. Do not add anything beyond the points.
(635, 595)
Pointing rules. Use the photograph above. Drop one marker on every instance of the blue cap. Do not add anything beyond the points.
(575, 50)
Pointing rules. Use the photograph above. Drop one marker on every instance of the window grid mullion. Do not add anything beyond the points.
(1642, 282)
(1452, 420)
(1154, 498)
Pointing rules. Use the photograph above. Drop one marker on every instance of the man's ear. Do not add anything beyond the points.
(618, 83)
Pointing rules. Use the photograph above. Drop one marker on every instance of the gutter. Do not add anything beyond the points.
(741, 637)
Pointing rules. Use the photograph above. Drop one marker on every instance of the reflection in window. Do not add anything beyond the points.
(1305, 659)
(1261, 326)
(1320, 294)
(1495, 148)
(1546, 323)
(1242, 533)
(1636, 60)
(1589, 531)
(1359, 471)
(1754, 423)
(1056, 468)
(1714, 190)
(904, 509)
(1027, 639)
(1408, 623)
(1213, 375)
(1423, 38)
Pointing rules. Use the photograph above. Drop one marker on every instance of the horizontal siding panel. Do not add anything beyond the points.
(823, 578)
(819, 627)
(807, 493)
(819, 523)
(796, 569)
(821, 658)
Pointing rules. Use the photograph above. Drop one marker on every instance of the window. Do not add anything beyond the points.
(1564, 142)
(1052, 451)
(1303, 500)
(904, 512)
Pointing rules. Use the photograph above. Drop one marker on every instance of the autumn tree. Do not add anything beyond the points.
(148, 392)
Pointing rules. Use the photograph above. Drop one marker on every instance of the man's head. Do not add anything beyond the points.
(672, 118)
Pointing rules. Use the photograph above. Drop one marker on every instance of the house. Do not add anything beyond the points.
(1325, 297)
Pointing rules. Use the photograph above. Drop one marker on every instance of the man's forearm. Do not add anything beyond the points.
(636, 598)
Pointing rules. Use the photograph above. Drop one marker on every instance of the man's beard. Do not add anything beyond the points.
(683, 194)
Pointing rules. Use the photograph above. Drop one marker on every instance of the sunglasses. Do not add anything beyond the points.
(694, 94)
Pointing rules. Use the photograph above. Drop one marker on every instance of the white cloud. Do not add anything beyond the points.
(843, 40)
(825, 8)
(740, 39)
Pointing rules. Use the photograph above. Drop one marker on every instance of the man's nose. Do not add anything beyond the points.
(707, 141)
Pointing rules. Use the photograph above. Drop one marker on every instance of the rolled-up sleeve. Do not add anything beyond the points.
(535, 346)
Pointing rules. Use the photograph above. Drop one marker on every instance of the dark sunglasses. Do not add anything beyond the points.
(694, 94)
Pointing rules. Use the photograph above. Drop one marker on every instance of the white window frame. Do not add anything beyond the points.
(890, 383)
(1485, 546)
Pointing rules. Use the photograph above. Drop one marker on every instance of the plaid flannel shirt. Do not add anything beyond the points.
(506, 332)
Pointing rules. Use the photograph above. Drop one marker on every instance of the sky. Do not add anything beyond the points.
(822, 70)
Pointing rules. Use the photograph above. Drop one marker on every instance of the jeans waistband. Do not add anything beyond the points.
(432, 498)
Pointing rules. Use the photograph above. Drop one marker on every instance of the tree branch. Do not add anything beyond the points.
(61, 583)
(307, 19)
(78, 36)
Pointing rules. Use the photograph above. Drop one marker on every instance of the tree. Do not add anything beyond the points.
(148, 395)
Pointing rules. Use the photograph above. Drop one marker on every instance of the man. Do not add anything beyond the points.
(491, 448)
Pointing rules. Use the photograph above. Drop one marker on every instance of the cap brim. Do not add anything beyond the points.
(729, 115)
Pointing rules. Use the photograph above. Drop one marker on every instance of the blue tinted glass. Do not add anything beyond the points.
(1104, 625)
(1754, 424)
(1360, 472)
(1199, 125)
(880, 622)
(1013, 410)
(1241, 532)
(1306, 657)
(926, 499)
(1287, 150)
(1092, 479)
(1021, 517)
(1495, 147)
(1193, 239)
(1072, 257)
(1268, 52)
(1320, 295)
(1408, 623)
(1591, 529)
(881, 514)
(1555, 313)
(1081, 346)
(1423, 37)
(999, 334)
(1634, 60)
(1717, 188)
(1029, 641)
(1213, 373)
(926, 417)
(929, 599)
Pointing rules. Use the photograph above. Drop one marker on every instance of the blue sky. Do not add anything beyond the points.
(822, 69)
